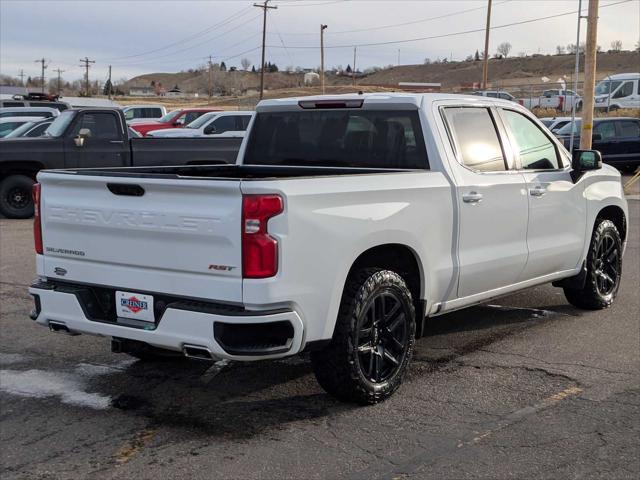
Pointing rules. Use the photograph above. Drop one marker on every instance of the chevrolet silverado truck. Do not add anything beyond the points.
(345, 224)
(94, 137)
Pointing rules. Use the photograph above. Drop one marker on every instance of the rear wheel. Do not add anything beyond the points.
(15, 196)
(373, 339)
(604, 269)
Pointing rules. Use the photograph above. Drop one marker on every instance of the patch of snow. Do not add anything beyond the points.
(42, 383)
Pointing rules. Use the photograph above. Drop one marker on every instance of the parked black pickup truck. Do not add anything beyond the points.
(94, 137)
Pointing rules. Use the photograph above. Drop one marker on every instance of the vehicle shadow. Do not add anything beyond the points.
(241, 400)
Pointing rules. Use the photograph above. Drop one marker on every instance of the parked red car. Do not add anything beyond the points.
(175, 119)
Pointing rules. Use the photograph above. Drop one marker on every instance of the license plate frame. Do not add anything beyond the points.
(134, 305)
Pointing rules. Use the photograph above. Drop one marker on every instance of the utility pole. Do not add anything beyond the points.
(86, 66)
(398, 57)
(209, 88)
(21, 77)
(353, 70)
(577, 70)
(322, 29)
(589, 75)
(59, 72)
(485, 64)
(110, 84)
(42, 61)
(264, 8)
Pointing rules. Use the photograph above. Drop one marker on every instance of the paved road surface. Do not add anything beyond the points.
(525, 387)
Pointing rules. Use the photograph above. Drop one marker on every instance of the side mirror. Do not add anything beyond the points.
(83, 134)
(583, 161)
(179, 122)
(210, 130)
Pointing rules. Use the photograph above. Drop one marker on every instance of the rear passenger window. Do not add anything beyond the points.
(535, 149)
(606, 130)
(244, 120)
(475, 135)
(629, 128)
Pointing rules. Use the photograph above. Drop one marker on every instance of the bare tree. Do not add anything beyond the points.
(560, 50)
(504, 48)
(246, 63)
(616, 45)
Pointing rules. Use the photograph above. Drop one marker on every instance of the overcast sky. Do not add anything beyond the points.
(167, 36)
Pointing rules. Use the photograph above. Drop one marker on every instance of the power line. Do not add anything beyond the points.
(413, 22)
(265, 6)
(171, 54)
(445, 35)
(86, 66)
(237, 15)
(42, 61)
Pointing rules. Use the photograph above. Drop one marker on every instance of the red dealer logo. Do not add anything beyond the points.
(133, 304)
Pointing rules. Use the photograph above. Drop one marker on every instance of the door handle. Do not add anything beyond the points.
(472, 197)
(537, 191)
(116, 141)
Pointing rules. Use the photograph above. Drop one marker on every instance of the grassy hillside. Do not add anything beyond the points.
(514, 73)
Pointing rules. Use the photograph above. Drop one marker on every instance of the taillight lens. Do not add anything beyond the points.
(259, 249)
(37, 224)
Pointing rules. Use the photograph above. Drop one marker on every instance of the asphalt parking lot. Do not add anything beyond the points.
(524, 387)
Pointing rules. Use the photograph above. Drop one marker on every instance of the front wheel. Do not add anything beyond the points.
(604, 269)
(15, 196)
(373, 339)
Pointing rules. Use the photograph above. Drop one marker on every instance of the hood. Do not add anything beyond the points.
(174, 132)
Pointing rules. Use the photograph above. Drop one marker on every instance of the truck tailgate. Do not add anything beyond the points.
(167, 235)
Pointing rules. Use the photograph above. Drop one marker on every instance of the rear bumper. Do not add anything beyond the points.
(181, 324)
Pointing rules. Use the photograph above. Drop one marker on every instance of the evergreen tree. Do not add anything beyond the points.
(223, 67)
(253, 69)
(476, 57)
(348, 69)
(108, 87)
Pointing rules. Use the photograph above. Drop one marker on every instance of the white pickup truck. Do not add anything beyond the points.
(346, 222)
(559, 99)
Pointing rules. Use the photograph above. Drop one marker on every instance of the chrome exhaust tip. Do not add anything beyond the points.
(60, 327)
(196, 352)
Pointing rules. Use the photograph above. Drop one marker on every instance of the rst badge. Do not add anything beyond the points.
(135, 305)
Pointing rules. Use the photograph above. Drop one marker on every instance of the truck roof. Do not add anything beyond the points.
(623, 76)
(380, 98)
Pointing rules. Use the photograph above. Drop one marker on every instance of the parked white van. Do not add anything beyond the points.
(618, 91)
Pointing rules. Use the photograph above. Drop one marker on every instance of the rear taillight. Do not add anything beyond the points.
(259, 249)
(37, 224)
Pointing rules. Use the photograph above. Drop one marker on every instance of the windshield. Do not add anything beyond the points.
(338, 138)
(202, 120)
(566, 130)
(21, 130)
(606, 86)
(169, 116)
(59, 125)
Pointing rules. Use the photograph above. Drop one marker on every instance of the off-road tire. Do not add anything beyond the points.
(15, 196)
(339, 366)
(592, 296)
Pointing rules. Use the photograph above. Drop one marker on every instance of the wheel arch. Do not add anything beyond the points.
(403, 260)
(617, 216)
(28, 168)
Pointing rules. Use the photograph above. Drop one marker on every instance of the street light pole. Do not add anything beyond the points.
(322, 28)
(575, 81)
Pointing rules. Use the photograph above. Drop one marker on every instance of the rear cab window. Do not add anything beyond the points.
(338, 138)
(475, 137)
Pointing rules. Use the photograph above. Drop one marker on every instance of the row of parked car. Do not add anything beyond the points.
(144, 120)
(612, 93)
(110, 137)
